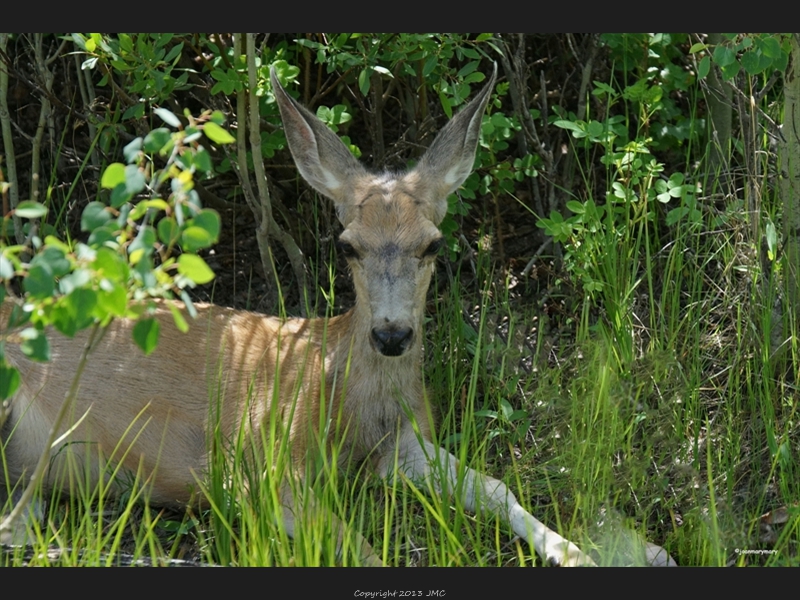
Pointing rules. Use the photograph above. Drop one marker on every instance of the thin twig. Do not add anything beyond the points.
(8, 140)
(286, 240)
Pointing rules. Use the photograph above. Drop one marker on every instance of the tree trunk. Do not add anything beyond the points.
(720, 112)
(790, 177)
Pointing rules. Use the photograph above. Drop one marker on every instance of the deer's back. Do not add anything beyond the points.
(234, 368)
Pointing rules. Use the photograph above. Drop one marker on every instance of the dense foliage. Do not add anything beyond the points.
(613, 294)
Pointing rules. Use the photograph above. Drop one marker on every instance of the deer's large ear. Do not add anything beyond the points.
(323, 160)
(449, 160)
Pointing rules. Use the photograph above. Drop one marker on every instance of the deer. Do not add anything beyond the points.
(390, 239)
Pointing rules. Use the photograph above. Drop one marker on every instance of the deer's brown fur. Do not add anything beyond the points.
(363, 368)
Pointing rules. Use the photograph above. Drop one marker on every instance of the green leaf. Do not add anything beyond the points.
(6, 271)
(111, 265)
(168, 117)
(730, 71)
(506, 408)
(94, 215)
(499, 120)
(187, 301)
(430, 65)
(196, 238)
(595, 129)
(193, 134)
(63, 319)
(782, 62)
(113, 176)
(143, 268)
(217, 134)
(208, 219)
(489, 414)
(771, 46)
(470, 53)
(112, 298)
(79, 278)
(79, 40)
(202, 161)
(145, 334)
(364, 81)
(9, 381)
(446, 105)
(81, 303)
(173, 54)
(751, 61)
(102, 235)
(119, 196)
(195, 268)
(676, 214)
(55, 259)
(772, 240)
(138, 211)
(142, 245)
(142, 207)
(339, 115)
(225, 86)
(83, 252)
(724, 56)
(134, 182)
(125, 42)
(217, 117)
(157, 139)
(467, 69)
(571, 125)
(576, 207)
(177, 316)
(676, 179)
(131, 150)
(603, 88)
(704, 67)
(39, 282)
(168, 231)
(30, 210)
(135, 111)
(35, 345)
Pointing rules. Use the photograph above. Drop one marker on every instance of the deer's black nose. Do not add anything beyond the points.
(392, 342)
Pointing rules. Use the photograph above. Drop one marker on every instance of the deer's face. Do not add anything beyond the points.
(390, 244)
(391, 235)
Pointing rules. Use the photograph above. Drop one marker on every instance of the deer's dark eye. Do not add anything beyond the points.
(347, 249)
(434, 247)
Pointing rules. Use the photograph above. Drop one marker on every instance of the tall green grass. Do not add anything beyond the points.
(663, 408)
(675, 423)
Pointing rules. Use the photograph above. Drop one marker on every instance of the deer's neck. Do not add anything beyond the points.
(378, 393)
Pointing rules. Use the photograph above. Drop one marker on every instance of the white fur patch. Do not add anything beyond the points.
(330, 180)
(454, 176)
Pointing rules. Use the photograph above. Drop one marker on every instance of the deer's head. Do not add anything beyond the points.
(391, 235)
